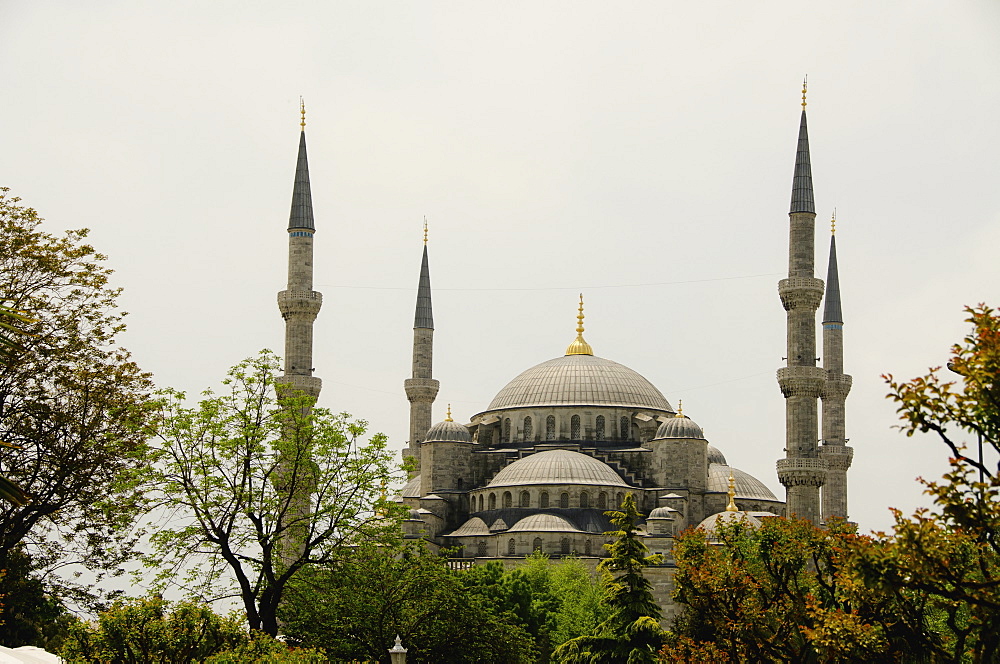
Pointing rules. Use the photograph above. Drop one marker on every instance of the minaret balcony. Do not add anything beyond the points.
(801, 381)
(801, 293)
(837, 386)
(838, 457)
(802, 472)
(292, 302)
(421, 390)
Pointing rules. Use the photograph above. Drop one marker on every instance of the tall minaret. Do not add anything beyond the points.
(421, 388)
(802, 471)
(299, 303)
(835, 450)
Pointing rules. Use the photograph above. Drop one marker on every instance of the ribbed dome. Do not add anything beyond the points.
(557, 467)
(715, 455)
(680, 426)
(663, 513)
(544, 523)
(748, 487)
(474, 526)
(579, 380)
(448, 431)
(411, 489)
(710, 523)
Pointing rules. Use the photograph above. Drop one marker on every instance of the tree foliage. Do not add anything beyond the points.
(631, 633)
(29, 614)
(70, 399)
(256, 487)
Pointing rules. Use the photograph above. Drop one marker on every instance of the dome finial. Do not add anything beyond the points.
(731, 507)
(425, 229)
(579, 346)
(680, 408)
(805, 80)
(448, 418)
(833, 222)
(302, 110)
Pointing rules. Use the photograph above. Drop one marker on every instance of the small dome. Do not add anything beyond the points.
(579, 380)
(448, 431)
(710, 523)
(662, 513)
(544, 523)
(411, 489)
(557, 467)
(715, 456)
(748, 487)
(474, 526)
(680, 426)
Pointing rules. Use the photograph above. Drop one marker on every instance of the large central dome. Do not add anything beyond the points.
(579, 380)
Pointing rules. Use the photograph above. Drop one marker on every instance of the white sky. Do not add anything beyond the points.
(639, 152)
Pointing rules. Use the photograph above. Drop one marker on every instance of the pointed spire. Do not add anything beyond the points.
(579, 346)
(831, 309)
(802, 188)
(301, 215)
(448, 418)
(731, 507)
(424, 316)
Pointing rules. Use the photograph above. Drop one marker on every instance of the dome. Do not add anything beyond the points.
(748, 487)
(544, 523)
(411, 489)
(710, 523)
(663, 513)
(474, 526)
(715, 456)
(448, 431)
(557, 467)
(680, 426)
(579, 380)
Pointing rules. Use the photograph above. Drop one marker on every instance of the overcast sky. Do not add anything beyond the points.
(638, 152)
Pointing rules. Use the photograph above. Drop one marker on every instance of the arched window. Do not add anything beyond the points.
(493, 501)
(602, 500)
(584, 499)
(505, 437)
(550, 427)
(574, 427)
(482, 548)
(543, 500)
(528, 434)
(480, 502)
(536, 545)
(525, 499)
(564, 548)
(508, 500)
(599, 427)
(511, 547)
(564, 500)
(621, 498)
(459, 483)
(586, 548)
(624, 427)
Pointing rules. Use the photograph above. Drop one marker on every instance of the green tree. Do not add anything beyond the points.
(354, 609)
(257, 487)
(631, 634)
(29, 614)
(70, 399)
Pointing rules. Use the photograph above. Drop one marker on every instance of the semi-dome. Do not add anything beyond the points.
(715, 455)
(579, 380)
(748, 487)
(448, 431)
(557, 467)
(411, 489)
(544, 523)
(679, 426)
(474, 526)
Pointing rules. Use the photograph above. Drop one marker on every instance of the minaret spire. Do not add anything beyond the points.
(802, 471)
(835, 451)
(421, 388)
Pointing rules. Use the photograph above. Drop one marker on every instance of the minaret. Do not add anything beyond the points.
(299, 303)
(421, 388)
(802, 471)
(835, 450)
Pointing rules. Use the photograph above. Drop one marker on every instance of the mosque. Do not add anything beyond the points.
(566, 440)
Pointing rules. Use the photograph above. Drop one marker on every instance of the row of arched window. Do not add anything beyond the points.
(538, 544)
(544, 500)
(528, 429)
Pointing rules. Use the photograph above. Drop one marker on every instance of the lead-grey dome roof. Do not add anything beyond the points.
(715, 455)
(748, 487)
(448, 431)
(680, 426)
(579, 380)
(557, 467)
(544, 523)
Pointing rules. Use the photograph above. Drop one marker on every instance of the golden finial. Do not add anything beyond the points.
(833, 222)
(804, 81)
(680, 408)
(302, 110)
(731, 507)
(448, 419)
(579, 346)
(425, 229)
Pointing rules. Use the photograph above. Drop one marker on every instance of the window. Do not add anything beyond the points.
(486, 437)
(528, 434)
(584, 499)
(624, 427)
(508, 500)
(493, 501)
(586, 548)
(459, 483)
(621, 498)
(602, 500)
(505, 436)
(564, 548)
(599, 427)
(537, 544)
(480, 502)
(511, 547)
(550, 427)
(525, 499)
(482, 548)
(543, 500)
(574, 428)
(564, 500)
